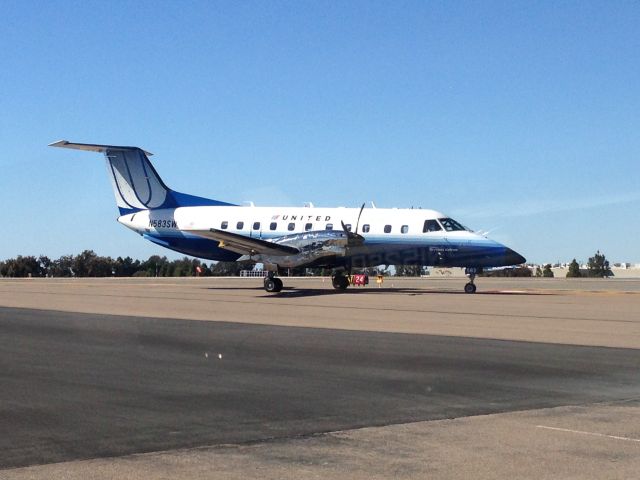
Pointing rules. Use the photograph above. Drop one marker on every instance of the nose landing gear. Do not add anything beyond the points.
(471, 272)
(470, 287)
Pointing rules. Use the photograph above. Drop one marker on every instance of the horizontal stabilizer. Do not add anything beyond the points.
(92, 147)
(244, 245)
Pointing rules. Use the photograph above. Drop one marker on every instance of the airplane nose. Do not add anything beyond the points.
(512, 257)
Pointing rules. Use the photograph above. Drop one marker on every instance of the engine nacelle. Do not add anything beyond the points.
(315, 248)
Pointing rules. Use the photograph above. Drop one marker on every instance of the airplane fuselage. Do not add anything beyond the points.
(391, 236)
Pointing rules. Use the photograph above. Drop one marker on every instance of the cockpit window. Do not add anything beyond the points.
(450, 225)
(431, 226)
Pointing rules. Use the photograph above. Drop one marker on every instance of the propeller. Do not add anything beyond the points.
(354, 237)
(359, 215)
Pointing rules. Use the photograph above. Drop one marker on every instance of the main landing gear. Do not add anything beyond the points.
(272, 284)
(340, 282)
(470, 287)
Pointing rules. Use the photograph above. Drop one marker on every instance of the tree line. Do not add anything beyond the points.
(90, 264)
(598, 266)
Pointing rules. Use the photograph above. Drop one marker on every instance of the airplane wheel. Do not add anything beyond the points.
(340, 282)
(470, 288)
(270, 285)
(278, 284)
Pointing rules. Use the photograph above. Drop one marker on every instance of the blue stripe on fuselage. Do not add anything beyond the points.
(377, 250)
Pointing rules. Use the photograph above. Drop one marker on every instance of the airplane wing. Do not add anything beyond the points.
(244, 245)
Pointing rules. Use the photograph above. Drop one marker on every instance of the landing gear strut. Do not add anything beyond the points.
(470, 287)
(272, 284)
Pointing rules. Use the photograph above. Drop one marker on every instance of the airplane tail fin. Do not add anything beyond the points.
(136, 184)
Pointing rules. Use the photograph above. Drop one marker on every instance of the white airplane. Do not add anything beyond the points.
(282, 237)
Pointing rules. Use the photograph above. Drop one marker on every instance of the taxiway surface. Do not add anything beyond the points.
(86, 385)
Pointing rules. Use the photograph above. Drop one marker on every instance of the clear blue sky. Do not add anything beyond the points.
(517, 117)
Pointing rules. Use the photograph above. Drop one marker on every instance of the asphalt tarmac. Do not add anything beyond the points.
(217, 379)
(80, 386)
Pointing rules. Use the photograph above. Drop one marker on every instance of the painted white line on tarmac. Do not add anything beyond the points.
(595, 434)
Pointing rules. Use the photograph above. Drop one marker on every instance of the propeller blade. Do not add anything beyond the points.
(359, 215)
(352, 238)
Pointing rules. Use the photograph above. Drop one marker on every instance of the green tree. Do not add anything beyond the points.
(547, 273)
(62, 267)
(229, 269)
(45, 265)
(81, 263)
(178, 269)
(574, 270)
(155, 266)
(20, 267)
(538, 271)
(89, 264)
(125, 267)
(599, 266)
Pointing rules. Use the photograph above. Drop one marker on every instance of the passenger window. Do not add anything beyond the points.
(348, 227)
(239, 225)
(308, 226)
(329, 226)
(291, 227)
(256, 225)
(387, 229)
(431, 226)
(224, 225)
(273, 226)
(404, 229)
(365, 228)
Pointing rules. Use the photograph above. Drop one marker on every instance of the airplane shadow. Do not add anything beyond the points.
(293, 292)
